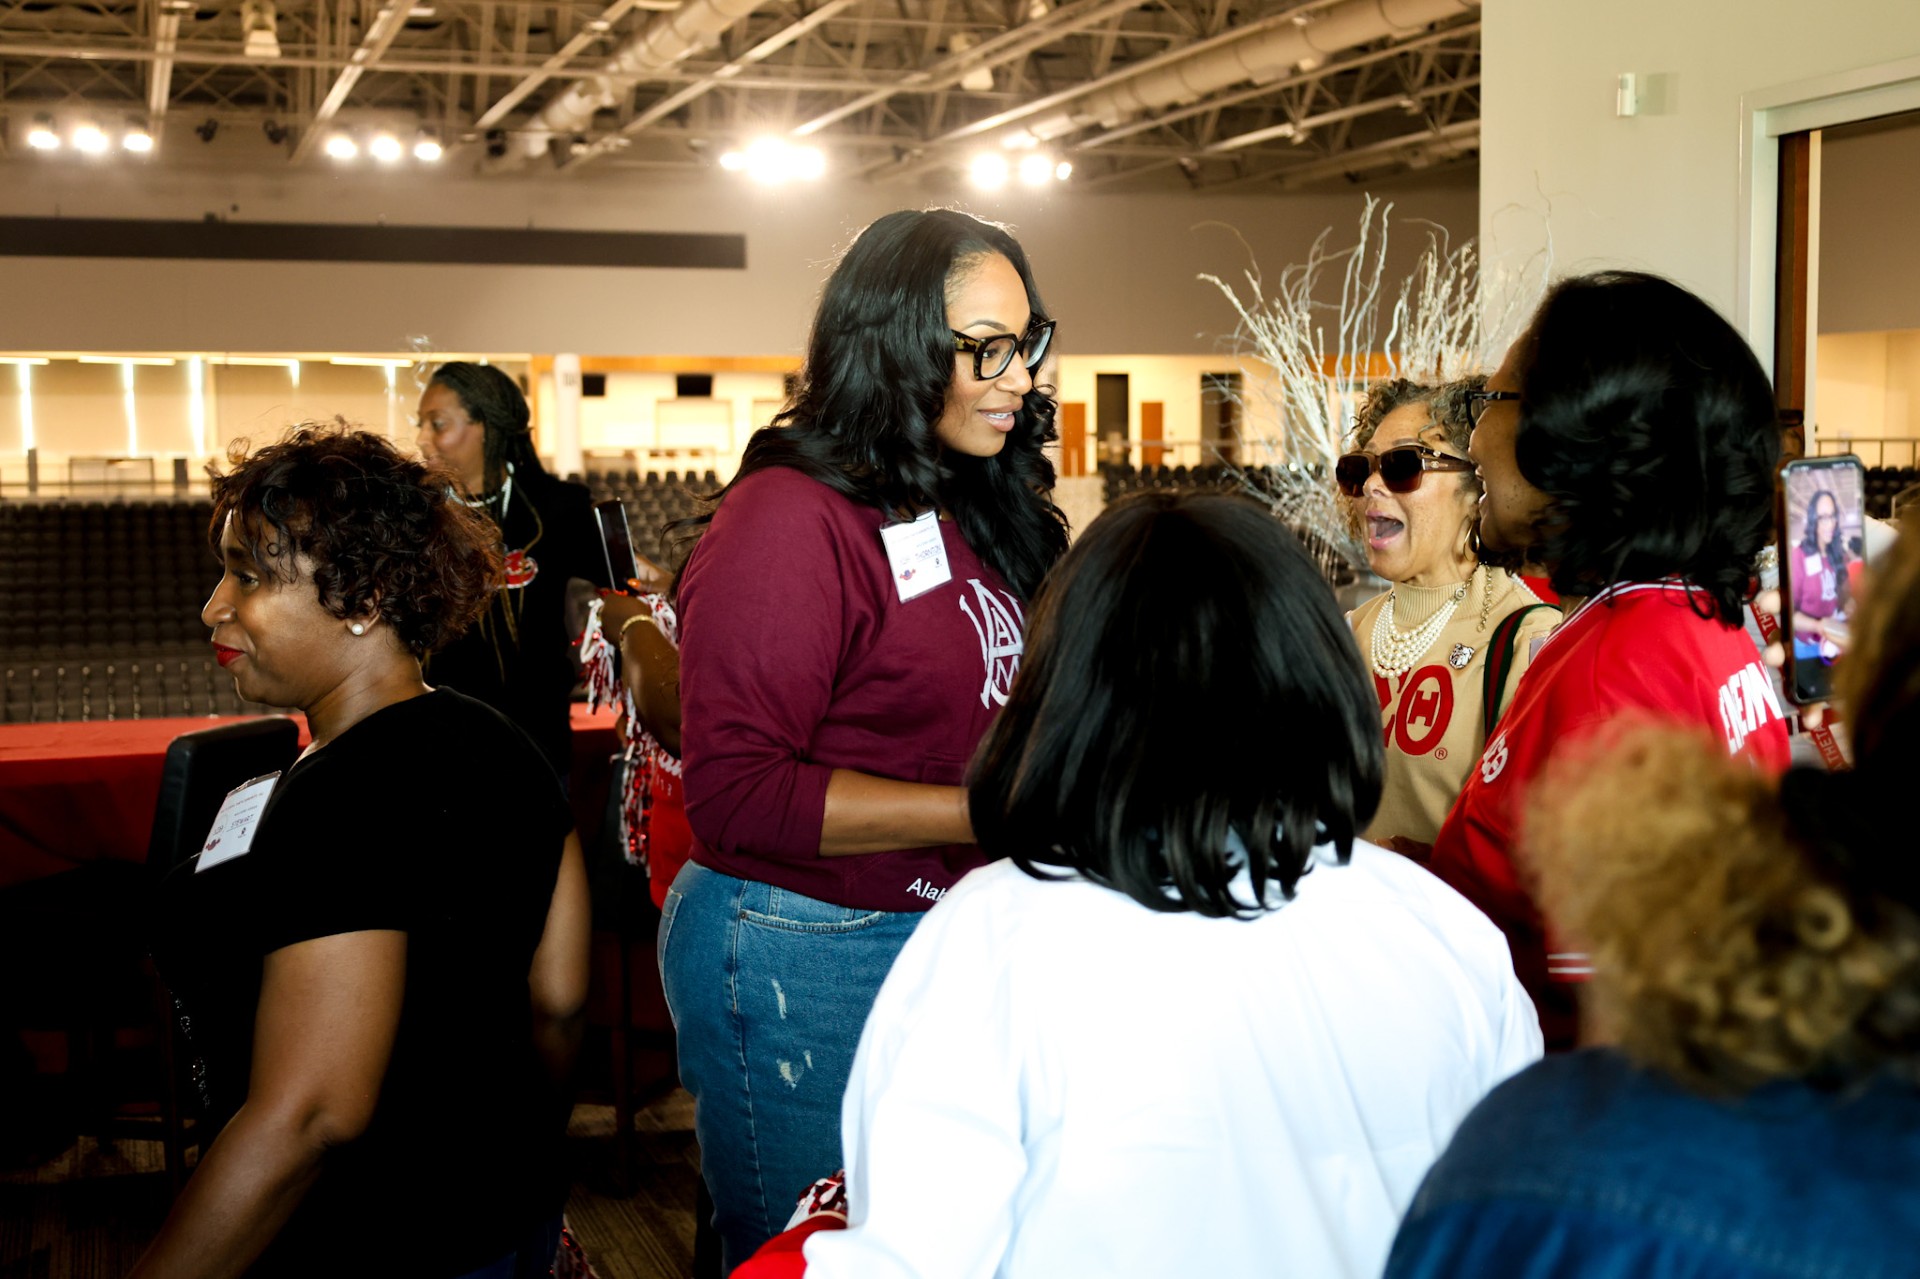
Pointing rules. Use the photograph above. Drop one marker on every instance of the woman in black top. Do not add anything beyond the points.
(519, 658)
(382, 981)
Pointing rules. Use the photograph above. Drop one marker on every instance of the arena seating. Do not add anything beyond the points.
(653, 500)
(100, 612)
(1884, 483)
(100, 601)
(1118, 481)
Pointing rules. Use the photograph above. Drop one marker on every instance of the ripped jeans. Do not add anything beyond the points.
(769, 991)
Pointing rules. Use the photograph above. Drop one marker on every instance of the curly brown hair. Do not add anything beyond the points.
(376, 528)
(1449, 411)
(1447, 406)
(1740, 931)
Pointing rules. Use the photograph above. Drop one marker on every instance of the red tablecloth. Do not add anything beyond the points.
(77, 793)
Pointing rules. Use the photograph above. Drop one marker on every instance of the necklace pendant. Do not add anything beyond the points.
(1459, 657)
(520, 570)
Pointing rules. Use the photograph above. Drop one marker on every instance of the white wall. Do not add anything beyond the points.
(1869, 389)
(79, 410)
(1660, 191)
(1175, 382)
(1119, 270)
(639, 413)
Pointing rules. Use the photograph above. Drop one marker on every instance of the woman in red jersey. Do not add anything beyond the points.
(1627, 444)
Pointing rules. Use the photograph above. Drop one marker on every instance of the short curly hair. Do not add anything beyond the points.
(1448, 409)
(377, 528)
(1723, 953)
(1649, 424)
(1447, 406)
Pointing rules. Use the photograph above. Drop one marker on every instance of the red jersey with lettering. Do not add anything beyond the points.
(1636, 651)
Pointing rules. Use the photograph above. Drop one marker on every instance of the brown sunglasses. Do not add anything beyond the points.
(1400, 468)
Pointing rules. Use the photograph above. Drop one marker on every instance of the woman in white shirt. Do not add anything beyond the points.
(1190, 1024)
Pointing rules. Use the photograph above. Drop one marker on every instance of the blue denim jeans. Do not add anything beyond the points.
(769, 991)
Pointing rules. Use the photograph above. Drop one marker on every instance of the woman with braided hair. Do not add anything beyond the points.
(518, 658)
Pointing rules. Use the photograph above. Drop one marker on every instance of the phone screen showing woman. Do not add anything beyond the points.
(1823, 523)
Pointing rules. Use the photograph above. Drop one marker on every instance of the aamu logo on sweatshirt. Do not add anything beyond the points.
(999, 622)
(922, 888)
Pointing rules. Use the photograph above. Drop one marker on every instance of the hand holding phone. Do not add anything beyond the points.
(1821, 520)
(616, 540)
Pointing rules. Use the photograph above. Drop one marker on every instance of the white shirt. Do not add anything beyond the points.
(1056, 1081)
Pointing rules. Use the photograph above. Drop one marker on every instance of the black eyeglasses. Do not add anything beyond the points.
(1477, 402)
(1400, 468)
(991, 356)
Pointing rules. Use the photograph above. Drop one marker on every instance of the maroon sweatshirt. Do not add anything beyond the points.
(797, 657)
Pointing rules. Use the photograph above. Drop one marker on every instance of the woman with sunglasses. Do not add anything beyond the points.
(851, 620)
(1447, 643)
(1627, 445)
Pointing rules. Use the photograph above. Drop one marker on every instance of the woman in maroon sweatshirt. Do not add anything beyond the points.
(851, 620)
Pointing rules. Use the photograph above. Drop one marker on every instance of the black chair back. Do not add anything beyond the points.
(202, 766)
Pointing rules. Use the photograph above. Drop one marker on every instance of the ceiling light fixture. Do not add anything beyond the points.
(341, 146)
(1036, 169)
(976, 79)
(90, 139)
(385, 148)
(262, 28)
(988, 171)
(275, 131)
(1062, 171)
(137, 138)
(41, 136)
(775, 160)
(206, 129)
(427, 148)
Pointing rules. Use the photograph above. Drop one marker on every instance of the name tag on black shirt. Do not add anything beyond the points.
(236, 822)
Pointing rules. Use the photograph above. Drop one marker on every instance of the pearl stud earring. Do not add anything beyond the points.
(358, 628)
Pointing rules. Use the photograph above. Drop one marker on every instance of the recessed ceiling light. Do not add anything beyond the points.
(90, 138)
(988, 170)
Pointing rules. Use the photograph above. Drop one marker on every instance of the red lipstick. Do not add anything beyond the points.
(224, 655)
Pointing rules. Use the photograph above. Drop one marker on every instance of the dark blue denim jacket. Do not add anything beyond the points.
(1585, 1165)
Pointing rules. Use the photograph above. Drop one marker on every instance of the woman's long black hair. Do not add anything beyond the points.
(1187, 676)
(493, 399)
(1647, 420)
(879, 363)
(1836, 550)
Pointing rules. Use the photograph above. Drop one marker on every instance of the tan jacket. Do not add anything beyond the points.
(1433, 715)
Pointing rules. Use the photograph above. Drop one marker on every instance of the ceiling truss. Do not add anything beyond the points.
(895, 91)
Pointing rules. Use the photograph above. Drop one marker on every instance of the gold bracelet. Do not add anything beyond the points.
(628, 625)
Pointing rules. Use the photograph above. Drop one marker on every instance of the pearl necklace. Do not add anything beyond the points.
(1394, 651)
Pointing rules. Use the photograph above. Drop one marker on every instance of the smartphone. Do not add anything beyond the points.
(1822, 520)
(616, 539)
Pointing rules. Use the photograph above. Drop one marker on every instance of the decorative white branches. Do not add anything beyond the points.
(1306, 362)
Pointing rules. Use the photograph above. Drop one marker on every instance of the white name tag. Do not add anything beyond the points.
(236, 822)
(916, 555)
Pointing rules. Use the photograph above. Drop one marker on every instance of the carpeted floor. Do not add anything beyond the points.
(88, 1212)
